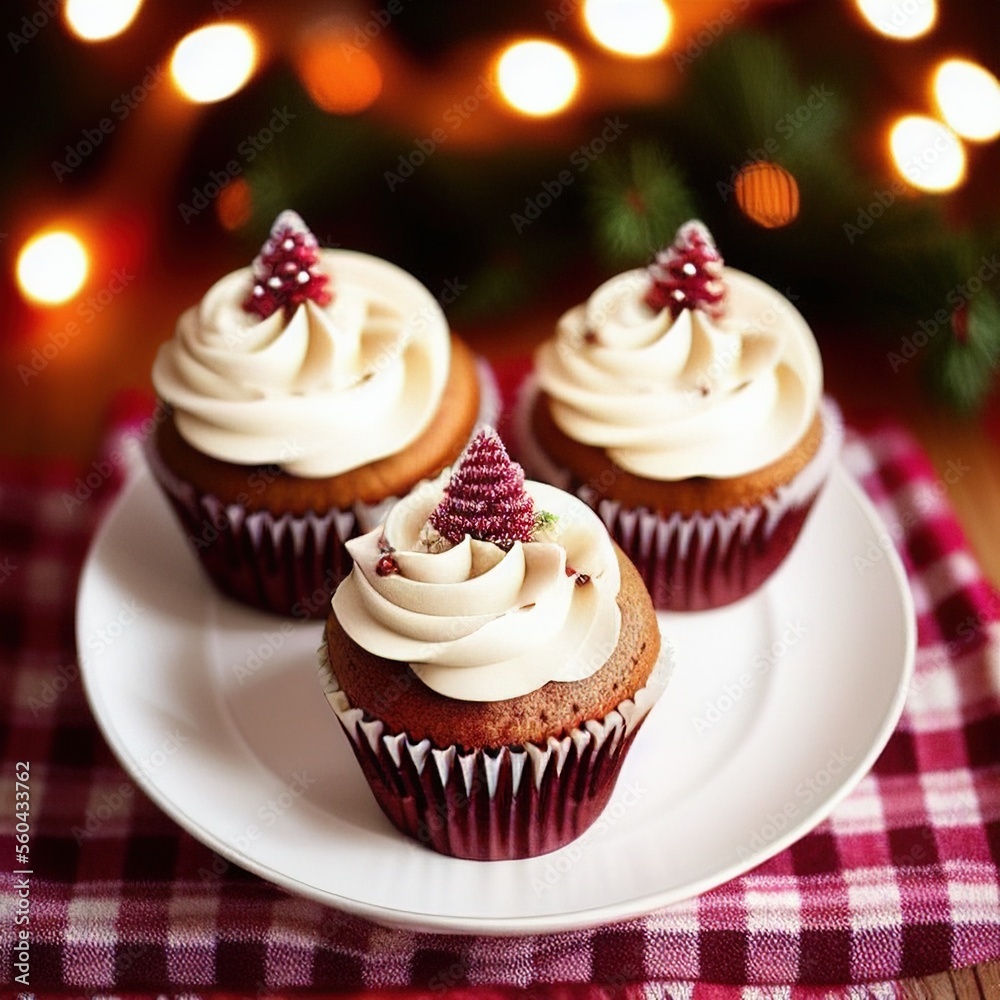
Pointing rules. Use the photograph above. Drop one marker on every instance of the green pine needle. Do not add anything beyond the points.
(636, 201)
(961, 373)
(544, 521)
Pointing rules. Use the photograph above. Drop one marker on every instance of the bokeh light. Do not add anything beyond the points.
(927, 153)
(52, 267)
(768, 194)
(629, 27)
(234, 206)
(97, 20)
(537, 78)
(902, 19)
(213, 63)
(968, 97)
(340, 77)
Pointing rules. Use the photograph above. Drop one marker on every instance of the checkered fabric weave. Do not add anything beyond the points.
(902, 880)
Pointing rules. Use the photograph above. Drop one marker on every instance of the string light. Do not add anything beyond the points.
(340, 77)
(629, 27)
(927, 153)
(98, 20)
(52, 267)
(768, 194)
(968, 97)
(537, 78)
(213, 63)
(900, 19)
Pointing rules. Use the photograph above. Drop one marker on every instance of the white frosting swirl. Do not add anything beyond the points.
(670, 399)
(328, 390)
(477, 623)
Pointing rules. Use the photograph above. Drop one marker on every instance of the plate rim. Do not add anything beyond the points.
(466, 925)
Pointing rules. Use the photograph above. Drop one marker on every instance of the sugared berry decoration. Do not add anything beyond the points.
(485, 497)
(688, 274)
(386, 565)
(287, 270)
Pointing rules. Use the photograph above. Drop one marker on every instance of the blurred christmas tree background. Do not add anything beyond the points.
(847, 164)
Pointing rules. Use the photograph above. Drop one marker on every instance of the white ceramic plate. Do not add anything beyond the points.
(777, 707)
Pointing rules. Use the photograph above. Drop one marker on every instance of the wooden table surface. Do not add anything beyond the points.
(55, 403)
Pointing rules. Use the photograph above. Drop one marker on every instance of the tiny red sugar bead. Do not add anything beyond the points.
(386, 565)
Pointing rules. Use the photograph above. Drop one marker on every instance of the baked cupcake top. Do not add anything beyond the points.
(487, 585)
(317, 361)
(686, 368)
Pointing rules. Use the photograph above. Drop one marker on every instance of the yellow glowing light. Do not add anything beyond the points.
(968, 98)
(928, 154)
(212, 63)
(52, 267)
(629, 27)
(96, 20)
(339, 77)
(902, 19)
(537, 78)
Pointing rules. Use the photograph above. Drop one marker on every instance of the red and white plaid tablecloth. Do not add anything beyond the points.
(902, 880)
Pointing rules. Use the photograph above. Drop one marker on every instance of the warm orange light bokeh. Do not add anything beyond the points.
(340, 77)
(52, 267)
(537, 78)
(968, 97)
(214, 62)
(768, 194)
(99, 20)
(636, 28)
(234, 206)
(927, 153)
(898, 19)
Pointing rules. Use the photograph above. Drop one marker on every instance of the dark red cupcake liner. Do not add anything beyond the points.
(289, 564)
(501, 803)
(694, 562)
(286, 564)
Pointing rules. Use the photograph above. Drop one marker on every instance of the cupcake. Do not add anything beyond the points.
(684, 403)
(300, 396)
(491, 658)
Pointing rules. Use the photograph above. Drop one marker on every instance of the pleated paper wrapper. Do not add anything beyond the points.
(692, 562)
(498, 803)
(287, 564)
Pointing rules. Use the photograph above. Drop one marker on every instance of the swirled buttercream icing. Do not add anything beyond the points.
(697, 395)
(476, 621)
(326, 384)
